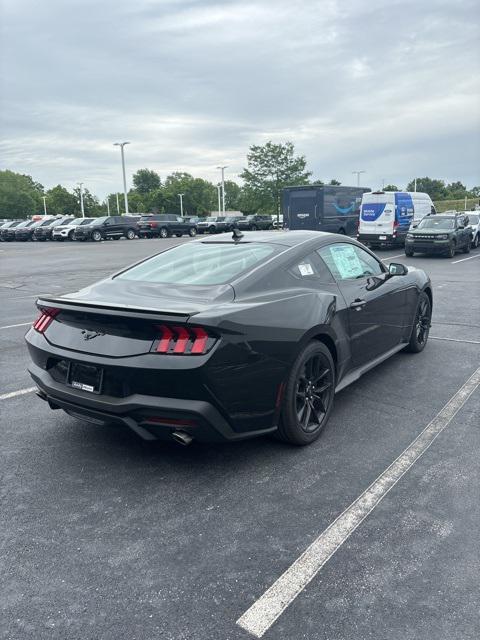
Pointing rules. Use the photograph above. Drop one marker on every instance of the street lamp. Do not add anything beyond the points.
(219, 190)
(357, 173)
(118, 205)
(44, 205)
(80, 184)
(121, 145)
(108, 206)
(180, 195)
(222, 169)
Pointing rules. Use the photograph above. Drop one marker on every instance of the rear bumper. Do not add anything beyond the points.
(157, 416)
(382, 240)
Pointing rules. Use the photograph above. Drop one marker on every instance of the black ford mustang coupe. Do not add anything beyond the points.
(228, 337)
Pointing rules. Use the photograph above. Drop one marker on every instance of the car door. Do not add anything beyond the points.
(376, 302)
(464, 231)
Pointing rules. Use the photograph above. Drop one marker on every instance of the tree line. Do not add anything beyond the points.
(270, 168)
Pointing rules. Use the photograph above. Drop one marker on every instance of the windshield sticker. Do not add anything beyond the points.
(305, 269)
(346, 261)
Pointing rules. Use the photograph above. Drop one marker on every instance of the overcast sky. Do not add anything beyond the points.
(388, 87)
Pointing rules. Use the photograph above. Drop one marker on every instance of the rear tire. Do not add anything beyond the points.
(409, 253)
(212, 229)
(163, 233)
(130, 235)
(421, 325)
(309, 394)
(96, 236)
(192, 232)
(466, 248)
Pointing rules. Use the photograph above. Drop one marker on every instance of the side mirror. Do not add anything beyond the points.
(415, 225)
(397, 269)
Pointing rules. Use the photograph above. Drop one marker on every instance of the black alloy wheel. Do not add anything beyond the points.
(96, 236)
(421, 325)
(211, 229)
(309, 395)
(451, 250)
(163, 232)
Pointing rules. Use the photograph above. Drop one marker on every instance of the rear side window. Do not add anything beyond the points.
(201, 263)
(311, 268)
(347, 261)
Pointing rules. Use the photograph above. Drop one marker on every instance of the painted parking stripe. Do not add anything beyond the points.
(20, 392)
(400, 255)
(11, 326)
(463, 259)
(455, 340)
(263, 613)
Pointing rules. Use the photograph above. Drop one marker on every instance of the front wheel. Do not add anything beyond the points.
(309, 394)
(476, 241)
(466, 248)
(96, 236)
(253, 227)
(421, 325)
(212, 229)
(163, 232)
(451, 250)
(192, 232)
(409, 252)
(130, 234)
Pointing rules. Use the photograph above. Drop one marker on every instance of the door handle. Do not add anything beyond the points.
(358, 304)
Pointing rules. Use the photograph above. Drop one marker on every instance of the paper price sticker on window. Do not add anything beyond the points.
(305, 269)
(346, 261)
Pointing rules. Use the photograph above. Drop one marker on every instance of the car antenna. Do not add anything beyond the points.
(237, 235)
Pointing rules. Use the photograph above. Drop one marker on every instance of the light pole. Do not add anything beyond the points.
(108, 206)
(80, 184)
(44, 205)
(180, 195)
(118, 205)
(357, 173)
(222, 169)
(121, 145)
(219, 187)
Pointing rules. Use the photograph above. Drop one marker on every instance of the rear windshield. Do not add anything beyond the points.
(201, 263)
(437, 222)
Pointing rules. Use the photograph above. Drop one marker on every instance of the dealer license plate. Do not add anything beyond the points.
(382, 237)
(85, 377)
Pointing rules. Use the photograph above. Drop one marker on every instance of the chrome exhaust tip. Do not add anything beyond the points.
(182, 438)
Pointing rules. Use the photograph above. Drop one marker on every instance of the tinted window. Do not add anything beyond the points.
(347, 261)
(311, 267)
(100, 220)
(201, 263)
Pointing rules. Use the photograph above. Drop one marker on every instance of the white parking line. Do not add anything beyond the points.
(400, 255)
(455, 340)
(463, 259)
(11, 326)
(263, 613)
(20, 392)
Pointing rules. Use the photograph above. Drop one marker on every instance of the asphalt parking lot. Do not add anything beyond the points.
(107, 537)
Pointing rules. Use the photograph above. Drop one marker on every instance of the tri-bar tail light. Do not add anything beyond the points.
(46, 317)
(182, 340)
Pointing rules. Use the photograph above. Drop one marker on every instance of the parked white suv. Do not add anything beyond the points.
(474, 223)
(66, 231)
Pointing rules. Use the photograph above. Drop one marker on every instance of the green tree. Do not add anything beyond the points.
(91, 205)
(391, 187)
(456, 190)
(272, 167)
(61, 202)
(334, 183)
(199, 195)
(146, 180)
(435, 188)
(232, 195)
(136, 202)
(20, 195)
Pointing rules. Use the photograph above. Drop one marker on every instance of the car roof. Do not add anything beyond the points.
(286, 238)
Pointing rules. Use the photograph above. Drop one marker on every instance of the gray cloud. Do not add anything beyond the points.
(389, 87)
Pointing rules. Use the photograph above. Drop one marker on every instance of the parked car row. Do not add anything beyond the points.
(129, 227)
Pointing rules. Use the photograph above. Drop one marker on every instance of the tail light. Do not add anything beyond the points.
(181, 340)
(47, 314)
(152, 224)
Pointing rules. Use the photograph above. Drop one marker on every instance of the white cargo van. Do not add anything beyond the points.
(385, 216)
